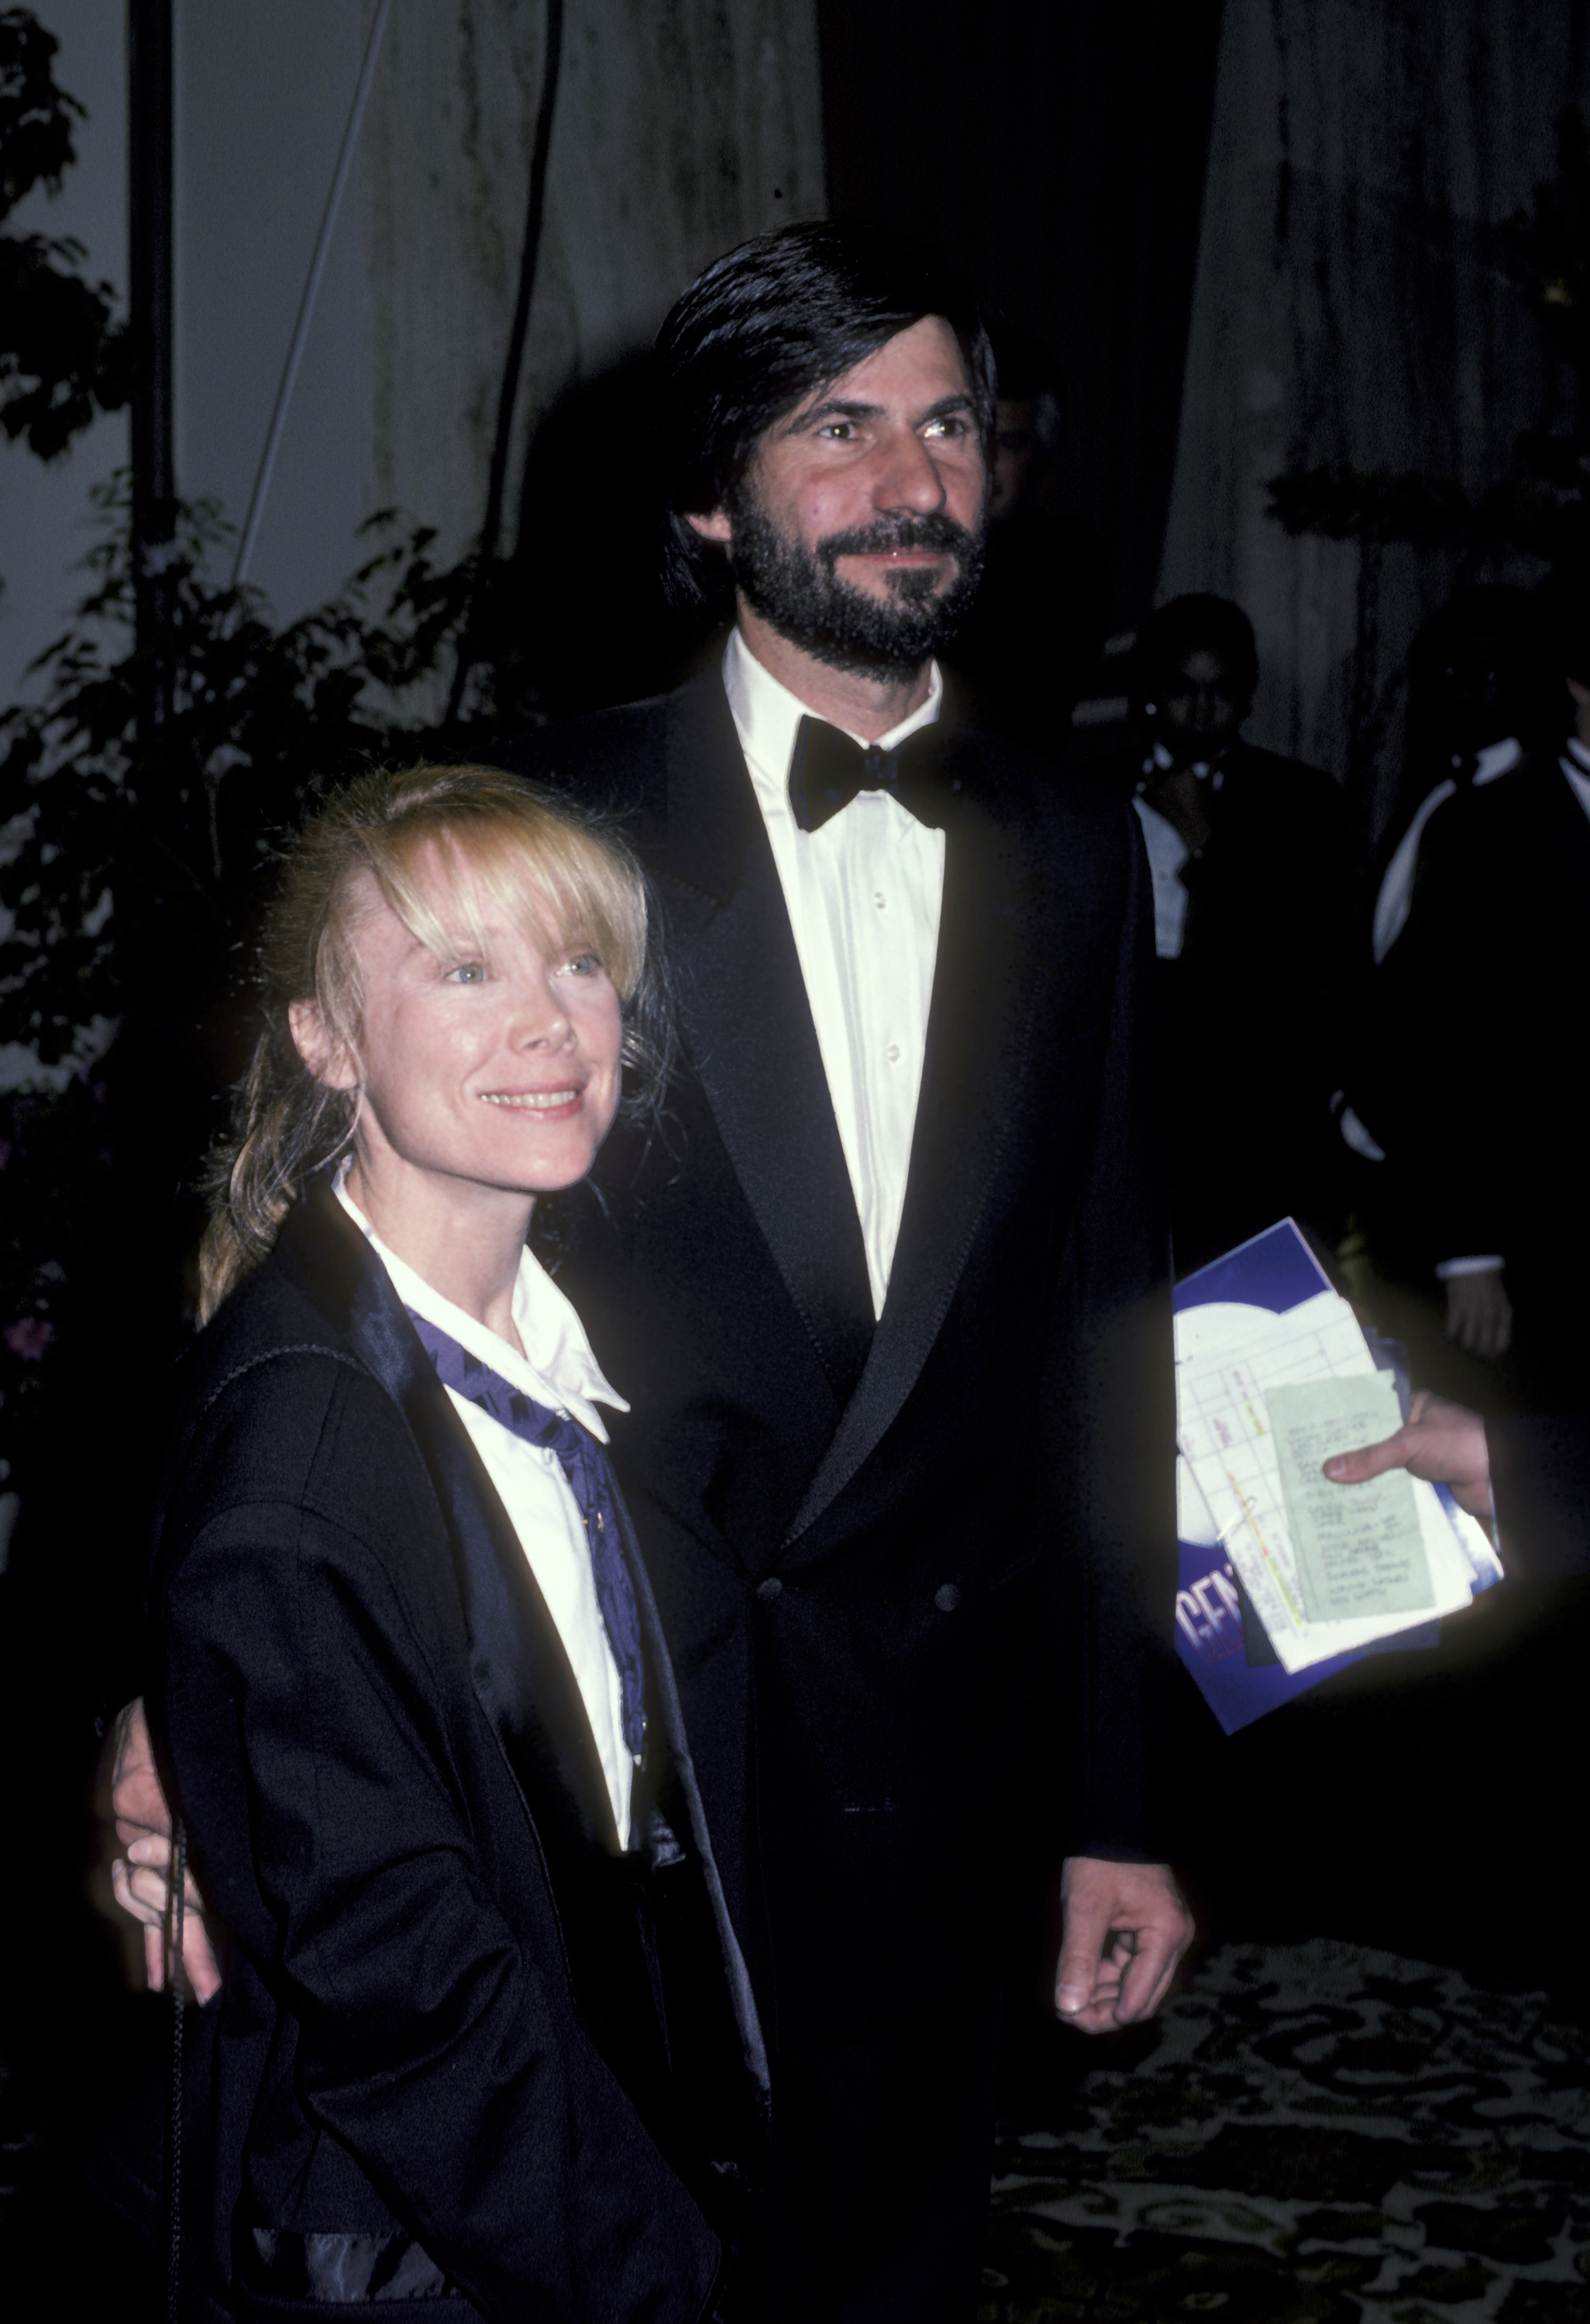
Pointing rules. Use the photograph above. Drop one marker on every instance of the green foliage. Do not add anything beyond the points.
(1544, 505)
(63, 356)
(131, 872)
(129, 865)
(35, 116)
(121, 848)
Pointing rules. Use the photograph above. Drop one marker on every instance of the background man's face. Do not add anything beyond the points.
(1477, 697)
(857, 531)
(1199, 706)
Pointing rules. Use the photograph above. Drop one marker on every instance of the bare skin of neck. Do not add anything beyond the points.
(469, 1249)
(866, 706)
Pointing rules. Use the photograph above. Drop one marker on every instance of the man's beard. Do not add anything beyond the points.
(799, 591)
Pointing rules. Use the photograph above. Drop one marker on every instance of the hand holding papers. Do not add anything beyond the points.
(1361, 1552)
(1274, 1375)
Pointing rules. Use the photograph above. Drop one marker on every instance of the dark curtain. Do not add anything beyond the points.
(1054, 151)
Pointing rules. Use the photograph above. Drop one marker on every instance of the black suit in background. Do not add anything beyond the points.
(907, 1574)
(465, 2050)
(1254, 1007)
(1479, 1091)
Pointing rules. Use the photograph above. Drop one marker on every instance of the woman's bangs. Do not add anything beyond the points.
(545, 880)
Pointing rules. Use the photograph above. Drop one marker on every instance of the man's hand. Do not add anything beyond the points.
(1441, 1442)
(1125, 1927)
(141, 1882)
(1479, 1313)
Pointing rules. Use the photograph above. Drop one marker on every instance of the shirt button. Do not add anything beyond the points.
(880, 900)
(947, 1598)
(892, 1053)
(769, 1589)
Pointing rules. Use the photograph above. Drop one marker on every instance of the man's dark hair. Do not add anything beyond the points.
(764, 329)
(1198, 623)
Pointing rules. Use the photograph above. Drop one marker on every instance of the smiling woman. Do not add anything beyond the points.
(427, 906)
(409, 1685)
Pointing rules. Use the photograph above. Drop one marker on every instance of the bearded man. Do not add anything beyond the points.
(888, 1301)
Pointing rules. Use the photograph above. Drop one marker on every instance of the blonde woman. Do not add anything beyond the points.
(483, 2039)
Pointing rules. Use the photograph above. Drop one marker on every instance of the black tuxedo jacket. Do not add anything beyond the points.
(1540, 1478)
(1479, 1099)
(1255, 1004)
(467, 2050)
(909, 1574)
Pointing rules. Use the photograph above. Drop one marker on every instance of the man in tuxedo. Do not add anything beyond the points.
(1472, 703)
(1480, 1114)
(889, 1314)
(888, 1297)
(1249, 861)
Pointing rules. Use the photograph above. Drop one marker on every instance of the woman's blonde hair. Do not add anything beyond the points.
(492, 838)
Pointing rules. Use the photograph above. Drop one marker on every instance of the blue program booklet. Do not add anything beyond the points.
(1219, 1635)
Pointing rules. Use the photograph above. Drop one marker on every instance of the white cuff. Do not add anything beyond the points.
(1451, 1267)
(1361, 1140)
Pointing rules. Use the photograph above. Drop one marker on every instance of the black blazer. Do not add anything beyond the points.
(463, 2040)
(1540, 1478)
(1478, 1098)
(1255, 1005)
(908, 1574)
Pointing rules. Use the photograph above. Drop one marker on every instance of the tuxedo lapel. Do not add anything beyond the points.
(978, 1032)
(519, 1672)
(748, 1029)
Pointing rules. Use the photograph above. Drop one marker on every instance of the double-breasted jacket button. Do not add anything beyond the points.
(769, 1589)
(946, 1597)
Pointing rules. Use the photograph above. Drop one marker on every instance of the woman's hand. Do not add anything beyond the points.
(141, 1880)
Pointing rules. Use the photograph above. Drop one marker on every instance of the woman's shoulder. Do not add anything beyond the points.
(277, 1374)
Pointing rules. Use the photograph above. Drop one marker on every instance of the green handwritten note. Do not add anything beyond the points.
(1359, 1547)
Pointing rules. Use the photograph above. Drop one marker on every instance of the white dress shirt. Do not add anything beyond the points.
(557, 1369)
(1395, 900)
(863, 895)
(1167, 852)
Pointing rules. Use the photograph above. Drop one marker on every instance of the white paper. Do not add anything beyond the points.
(1227, 1357)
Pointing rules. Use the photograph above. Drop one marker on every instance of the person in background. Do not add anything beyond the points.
(1473, 680)
(484, 2038)
(1473, 704)
(1027, 650)
(1252, 919)
(1480, 1122)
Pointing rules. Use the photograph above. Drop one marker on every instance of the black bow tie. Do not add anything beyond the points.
(826, 770)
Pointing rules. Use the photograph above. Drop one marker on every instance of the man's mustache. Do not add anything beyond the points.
(938, 533)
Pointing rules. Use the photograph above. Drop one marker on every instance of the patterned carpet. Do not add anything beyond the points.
(1318, 2134)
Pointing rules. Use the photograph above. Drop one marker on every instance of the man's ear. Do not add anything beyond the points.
(713, 527)
(330, 1061)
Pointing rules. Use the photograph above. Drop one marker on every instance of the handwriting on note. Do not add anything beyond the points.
(1360, 1549)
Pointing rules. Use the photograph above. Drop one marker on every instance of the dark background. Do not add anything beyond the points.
(1082, 163)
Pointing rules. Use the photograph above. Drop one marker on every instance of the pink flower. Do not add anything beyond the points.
(29, 1339)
